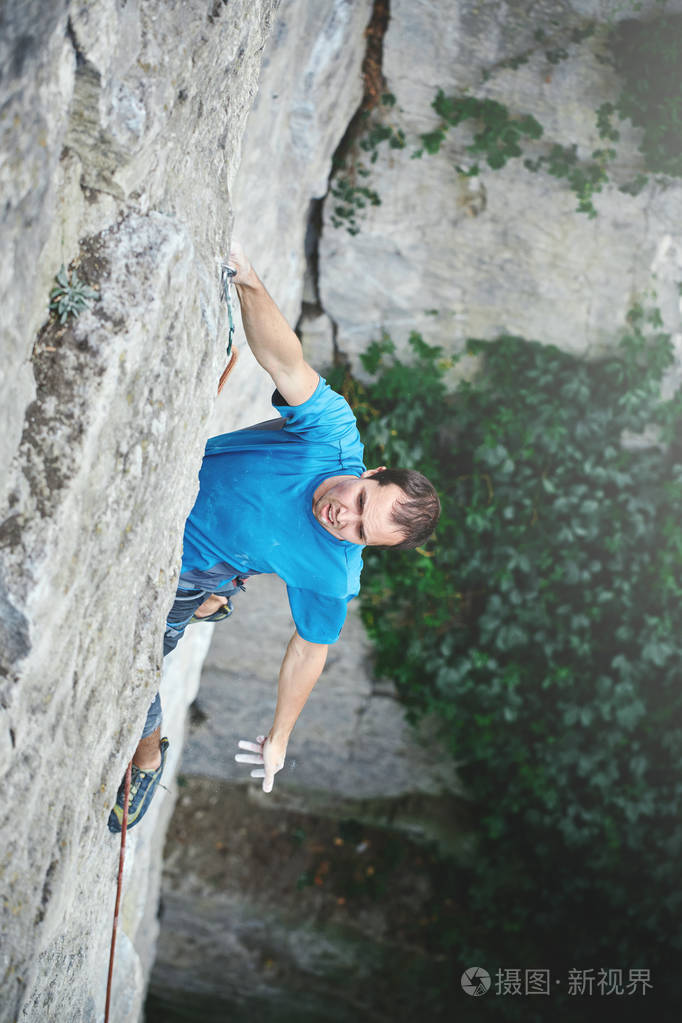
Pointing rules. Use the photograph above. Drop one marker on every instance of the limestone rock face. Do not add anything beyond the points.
(109, 106)
(309, 89)
(122, 138)
(36, 86)
(504, 251)
(124, 157)
(122, 127)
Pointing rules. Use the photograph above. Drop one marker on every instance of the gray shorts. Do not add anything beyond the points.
(179, 617)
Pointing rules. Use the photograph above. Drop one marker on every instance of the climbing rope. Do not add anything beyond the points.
(226, 275)
(124, 828)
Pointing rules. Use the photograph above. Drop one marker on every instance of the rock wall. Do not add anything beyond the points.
(245, 929)
(504, 251)
(122, 125)
(310, 88)
(352, 747)
(122, 136)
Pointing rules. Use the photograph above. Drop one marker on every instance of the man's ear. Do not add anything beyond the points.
(372, 472)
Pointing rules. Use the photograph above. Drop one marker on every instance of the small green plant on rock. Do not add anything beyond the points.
(498, 138)
(350, 199)
(349, 189)
(584, 178)
(70, 296)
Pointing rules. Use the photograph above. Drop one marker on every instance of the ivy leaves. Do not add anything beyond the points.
(544, 626)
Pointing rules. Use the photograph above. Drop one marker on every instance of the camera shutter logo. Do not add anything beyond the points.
(475, 981)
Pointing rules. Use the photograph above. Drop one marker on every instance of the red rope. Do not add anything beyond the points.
(228, 369)
(124, 828)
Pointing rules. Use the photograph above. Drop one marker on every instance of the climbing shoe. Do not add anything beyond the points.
(143, 785)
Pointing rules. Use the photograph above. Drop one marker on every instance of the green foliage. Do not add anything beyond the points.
(585, 179)
(351, 196)
(604, 126)
(543, 627)
(381, 133)
(70, 296)
(648, 54)
(513, 63)
(635, 186)
(498, 138)
(556, 54)
(349, 200)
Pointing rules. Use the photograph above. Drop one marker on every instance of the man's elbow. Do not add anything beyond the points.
(309, 651)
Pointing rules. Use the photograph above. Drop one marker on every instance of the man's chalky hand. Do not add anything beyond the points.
(265, 753)
(239, 262)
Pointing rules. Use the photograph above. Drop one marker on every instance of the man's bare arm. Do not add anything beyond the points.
(302, 666)
(270, 337)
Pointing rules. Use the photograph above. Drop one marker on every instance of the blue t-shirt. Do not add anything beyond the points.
(254, 510)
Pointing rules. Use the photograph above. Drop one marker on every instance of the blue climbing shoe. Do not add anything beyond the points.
(143, 785)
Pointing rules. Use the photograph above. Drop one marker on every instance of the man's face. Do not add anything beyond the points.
(357, 509)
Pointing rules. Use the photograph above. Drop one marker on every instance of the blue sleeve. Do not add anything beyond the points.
(318, 619)
(326, 415)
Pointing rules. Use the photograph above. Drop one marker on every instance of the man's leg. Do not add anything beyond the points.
(149, 757)
(186, 603)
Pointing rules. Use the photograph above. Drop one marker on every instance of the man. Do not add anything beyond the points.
(296, 501)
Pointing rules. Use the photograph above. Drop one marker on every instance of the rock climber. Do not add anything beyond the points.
(295, 499)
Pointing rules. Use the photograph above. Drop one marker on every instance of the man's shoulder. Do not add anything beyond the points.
(334, 569)
(325, 416)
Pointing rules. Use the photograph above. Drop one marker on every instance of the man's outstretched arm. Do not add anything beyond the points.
(302, 666)
(270, 337)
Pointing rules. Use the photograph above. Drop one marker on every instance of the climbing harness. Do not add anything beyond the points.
(226, 275)
(124, 828)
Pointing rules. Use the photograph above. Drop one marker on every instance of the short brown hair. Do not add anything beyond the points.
(418, 511)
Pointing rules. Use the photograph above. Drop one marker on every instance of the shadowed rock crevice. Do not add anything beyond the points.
(318, 330)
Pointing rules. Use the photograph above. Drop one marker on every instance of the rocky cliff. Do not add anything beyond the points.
(457, 255)
(128, 152)
(122, 125)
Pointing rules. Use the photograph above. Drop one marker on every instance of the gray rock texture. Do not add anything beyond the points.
(124, 157)
(504, 251)
(37, 81)
(309, 89)
(122, 132)
(285, 916)
(122, 126)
